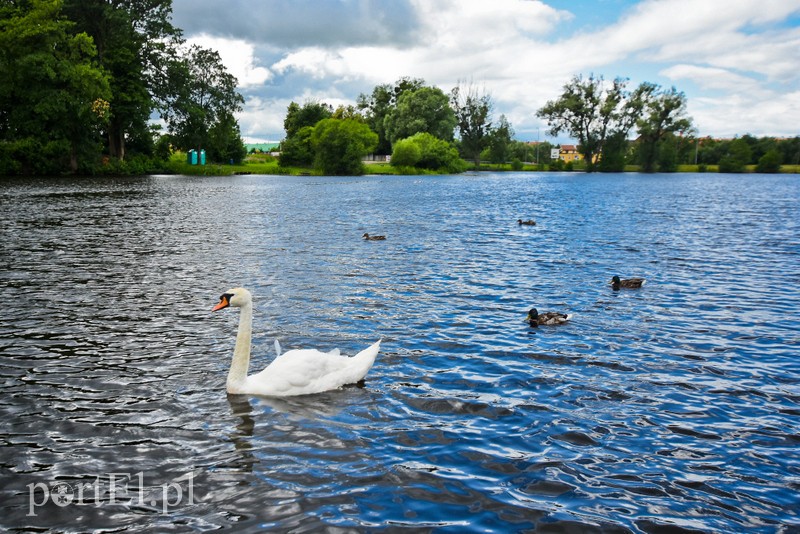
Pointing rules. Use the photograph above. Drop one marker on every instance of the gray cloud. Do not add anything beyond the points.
(297, 23)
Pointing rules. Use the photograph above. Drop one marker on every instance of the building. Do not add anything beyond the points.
(569, 153)
(266, 148)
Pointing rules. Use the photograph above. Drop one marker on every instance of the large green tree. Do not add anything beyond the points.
(309, 114)
(426, 109)
(54, 96)
(593, 111)
(135, 39)
(297, 148)
(207, 100)
(473, 110)
(378, 105)
(663, 115)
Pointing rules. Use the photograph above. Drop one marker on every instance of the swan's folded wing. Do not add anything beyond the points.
(300, 369)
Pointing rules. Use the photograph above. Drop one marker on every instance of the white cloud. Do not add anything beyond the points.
(713, 78)
(738, 114)
(238, 57)
(741, 53)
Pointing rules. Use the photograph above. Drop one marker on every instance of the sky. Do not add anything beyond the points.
(737, 61)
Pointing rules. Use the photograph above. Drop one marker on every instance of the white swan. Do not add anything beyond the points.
(296, 372)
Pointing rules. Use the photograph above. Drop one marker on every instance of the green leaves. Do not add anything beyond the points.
(426, 109)
(473, 118)
(50, 83)
(339, 145)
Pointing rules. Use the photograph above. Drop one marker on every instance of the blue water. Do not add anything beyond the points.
(666, 409)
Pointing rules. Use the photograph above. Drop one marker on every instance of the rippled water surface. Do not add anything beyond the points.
(670, 408)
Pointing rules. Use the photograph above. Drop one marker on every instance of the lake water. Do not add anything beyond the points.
(666, 409)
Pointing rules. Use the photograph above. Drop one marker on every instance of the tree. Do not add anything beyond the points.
(54, 96)
(340, 144)
(348, 112)
(668, 153)
(309, 114)
(208, 96)
(425, 110)
(592, 111)
(297, 150)
(790, 150)
(380, 103)
(134, 39)
(225, 140)
(737, 157)
(473, 119)
(664, 114)
(500, 141)
(770, 162)
(614, 153)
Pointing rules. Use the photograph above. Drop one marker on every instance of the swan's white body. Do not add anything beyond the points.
(296, 372)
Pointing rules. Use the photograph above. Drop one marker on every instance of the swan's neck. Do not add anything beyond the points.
(241, 353)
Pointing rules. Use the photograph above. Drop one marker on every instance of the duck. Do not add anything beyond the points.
(627, 283)
(374, 237)
(529, 222)
(547, 318)
(295, 372)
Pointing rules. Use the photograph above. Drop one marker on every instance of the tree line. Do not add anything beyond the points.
(420, 126)
(81, 80)
(424, 128)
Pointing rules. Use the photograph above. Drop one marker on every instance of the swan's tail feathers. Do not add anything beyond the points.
(277, 348)
(369, 354)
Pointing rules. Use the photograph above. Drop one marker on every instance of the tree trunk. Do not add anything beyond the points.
(116, 141)
(73, 159)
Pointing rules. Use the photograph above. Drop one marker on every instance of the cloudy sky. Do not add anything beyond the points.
(737, 61)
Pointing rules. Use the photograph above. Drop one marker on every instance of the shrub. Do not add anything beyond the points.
(339, 145)
(406, 153)
(770, 162)
(435, 154)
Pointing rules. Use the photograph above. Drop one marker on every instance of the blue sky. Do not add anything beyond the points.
(737, 61)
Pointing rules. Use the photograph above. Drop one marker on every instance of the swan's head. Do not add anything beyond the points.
(236, 298)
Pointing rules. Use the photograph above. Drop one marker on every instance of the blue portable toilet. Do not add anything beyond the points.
(191, 157)
(202, 157)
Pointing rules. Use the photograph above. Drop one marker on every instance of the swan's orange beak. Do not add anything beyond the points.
(223, 303)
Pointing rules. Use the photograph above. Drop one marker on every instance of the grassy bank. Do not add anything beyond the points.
(264, 164)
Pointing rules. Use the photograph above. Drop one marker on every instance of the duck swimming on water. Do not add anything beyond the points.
(547, 318)
(374, 237)
(627, 283)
